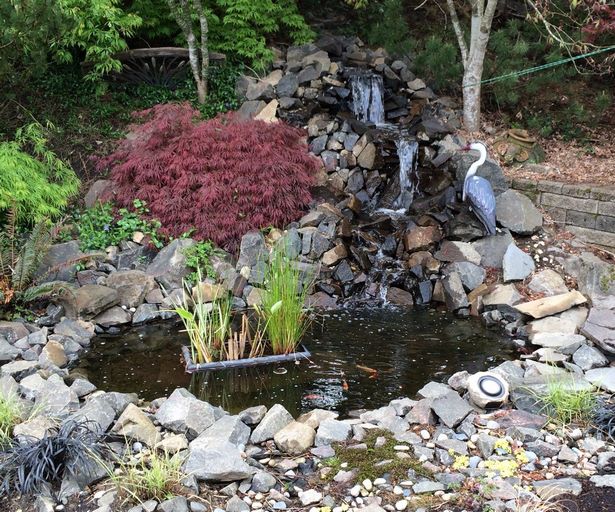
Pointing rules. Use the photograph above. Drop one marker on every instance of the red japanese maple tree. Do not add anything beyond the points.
(220, 177)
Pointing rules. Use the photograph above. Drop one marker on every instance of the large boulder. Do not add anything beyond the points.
(169, 265)
(547, 282)
(183, 413)
(227, 428)
(471, 275)
(600, 324)
(295, 438)
(516, 212)
(252, 249)
(89, 300)
(135, 424)
(275, 420)
(493, 248)
(59, 264)
(217, 461)
(131, 285)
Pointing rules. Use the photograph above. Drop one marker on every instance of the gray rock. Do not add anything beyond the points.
(131, 285)
(434, 390)
(457, 251)
(169, 265)
(82, 387)
(134, 424)
(471, 275)
(288, 85)
(89, 300)
(547, 489)
(177, 504)
(259, 91)
(275, 420)
(13, 331)
(517, 265)
(600, 325)
(454, 293)
(58, 264)
(587, 357)
(543, 449)
(112, 317)
(263, 482)
(503, 294)
(183, 413)
(516, 212)
(7, 351)
(427, 487)
(493, 248)
(295, 438)
(145, 313)
(603, 480)
(253, 415)
(236, 504)
(332, 431)
(227, 428)
(98, 412)
(18, 369)
(252, 249)
(218, 461)
(604, 378)
(451, 409)
(549, 282)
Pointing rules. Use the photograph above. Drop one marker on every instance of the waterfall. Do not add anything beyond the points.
(367, 94)
(407, 150)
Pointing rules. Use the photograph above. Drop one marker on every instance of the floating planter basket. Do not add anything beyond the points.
(243, 363)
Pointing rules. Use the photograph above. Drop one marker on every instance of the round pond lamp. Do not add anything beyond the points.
(487, 389)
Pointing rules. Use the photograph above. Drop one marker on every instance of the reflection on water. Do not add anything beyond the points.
(360, 359)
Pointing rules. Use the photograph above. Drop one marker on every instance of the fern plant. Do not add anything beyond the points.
(20, 257)
(36, 182)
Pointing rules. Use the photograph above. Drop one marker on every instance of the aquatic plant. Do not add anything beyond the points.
(156, 476)
(70, 449)
(221, 177)
(208, 324)
(283, 308)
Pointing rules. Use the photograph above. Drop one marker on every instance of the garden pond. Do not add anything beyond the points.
(360, 359)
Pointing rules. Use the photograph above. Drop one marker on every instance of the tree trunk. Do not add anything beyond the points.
(471, 101)
(193, 56)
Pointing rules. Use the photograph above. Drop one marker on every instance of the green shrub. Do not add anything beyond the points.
(32, 178)
(198, 257)
(438, 63)
(99, 227)
(388, 27)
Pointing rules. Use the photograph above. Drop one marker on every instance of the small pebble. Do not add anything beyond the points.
(401, 505)
(367, 484)
(425, 435)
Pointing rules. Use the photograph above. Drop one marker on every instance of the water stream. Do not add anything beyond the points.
(406, 348)
(408, 178)
(367, 98)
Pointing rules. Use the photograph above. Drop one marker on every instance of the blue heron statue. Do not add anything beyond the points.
(477, 190)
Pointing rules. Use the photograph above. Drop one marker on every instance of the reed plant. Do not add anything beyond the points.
(208, 324)
(283, 304)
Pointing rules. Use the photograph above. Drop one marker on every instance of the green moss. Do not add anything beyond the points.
(367, 461)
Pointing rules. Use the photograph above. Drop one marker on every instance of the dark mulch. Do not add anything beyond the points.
(591, 499)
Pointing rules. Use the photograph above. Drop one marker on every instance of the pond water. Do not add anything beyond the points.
(360, 359)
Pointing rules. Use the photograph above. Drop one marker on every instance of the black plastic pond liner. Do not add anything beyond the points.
(243, 363)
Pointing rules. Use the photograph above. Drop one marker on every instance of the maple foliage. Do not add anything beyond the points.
(600, 19)
(219, 178)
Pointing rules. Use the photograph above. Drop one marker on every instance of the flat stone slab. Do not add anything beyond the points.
(603, 480)
(548, 306)
(550, 488)
(604, 378)
(451, 409)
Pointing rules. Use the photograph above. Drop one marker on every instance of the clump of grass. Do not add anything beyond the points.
(364, 461)
(156, 476)
(11, 414)
(208, 324)
(284, 311)
(568, 405)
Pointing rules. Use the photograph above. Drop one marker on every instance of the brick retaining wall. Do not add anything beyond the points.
(587, 211)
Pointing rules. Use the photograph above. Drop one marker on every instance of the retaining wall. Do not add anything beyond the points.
(587, 211)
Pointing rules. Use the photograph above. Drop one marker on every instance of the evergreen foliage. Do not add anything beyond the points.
(438, 62)
(220, 177)
(32, 178)
(387, 27)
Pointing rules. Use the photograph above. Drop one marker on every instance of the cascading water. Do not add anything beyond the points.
(407, 150)
(367, 98)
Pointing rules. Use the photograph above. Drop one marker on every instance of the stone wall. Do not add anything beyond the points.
(585, 210)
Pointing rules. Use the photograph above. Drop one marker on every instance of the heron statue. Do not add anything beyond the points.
(477, 190)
